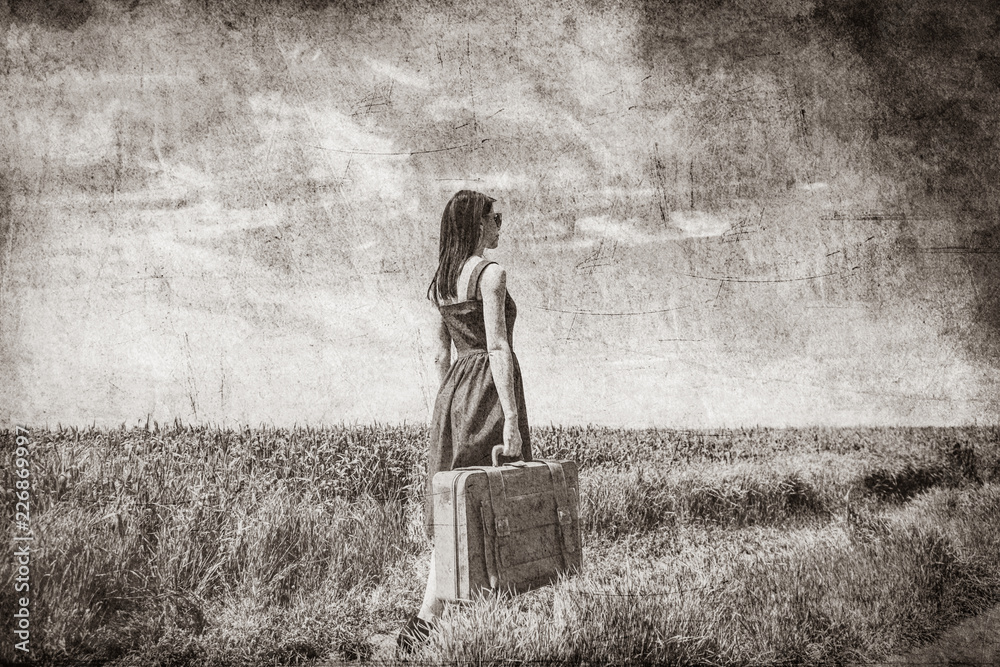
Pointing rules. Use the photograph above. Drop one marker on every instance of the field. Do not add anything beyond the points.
(186, 545)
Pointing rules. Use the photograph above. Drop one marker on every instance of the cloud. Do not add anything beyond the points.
(809, 187)
(336, 149)
(209, 220)
(686, 224)
(698, 223)
(622, 231)
(79, 136)
(397, 74)
(505, 181)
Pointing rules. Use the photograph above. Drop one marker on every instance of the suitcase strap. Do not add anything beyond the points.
(563, 510)
(495, 556)
(496, 522)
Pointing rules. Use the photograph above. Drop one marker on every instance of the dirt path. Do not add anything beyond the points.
(975, 641)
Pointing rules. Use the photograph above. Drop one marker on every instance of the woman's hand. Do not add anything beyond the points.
(511, 439)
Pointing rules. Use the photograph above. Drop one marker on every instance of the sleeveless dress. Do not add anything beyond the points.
(468, 418)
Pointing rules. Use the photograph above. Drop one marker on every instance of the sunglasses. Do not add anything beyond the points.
(498, 218)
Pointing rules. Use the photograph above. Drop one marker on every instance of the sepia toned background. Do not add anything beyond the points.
(715, 213)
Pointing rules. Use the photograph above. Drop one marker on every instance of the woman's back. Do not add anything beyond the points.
(462, 282)
(463, 316)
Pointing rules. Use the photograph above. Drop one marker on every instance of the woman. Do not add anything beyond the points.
(481, 399)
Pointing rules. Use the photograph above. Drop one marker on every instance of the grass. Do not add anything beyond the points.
(618, 502)
(830, 593)
(201, 546)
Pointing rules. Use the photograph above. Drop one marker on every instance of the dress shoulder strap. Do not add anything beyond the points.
(474, 278)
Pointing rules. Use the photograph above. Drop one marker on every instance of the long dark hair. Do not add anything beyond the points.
(460, 232)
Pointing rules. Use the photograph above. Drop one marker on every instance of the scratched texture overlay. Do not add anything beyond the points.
(770, 212)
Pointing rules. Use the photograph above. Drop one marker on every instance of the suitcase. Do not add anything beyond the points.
(505, 529)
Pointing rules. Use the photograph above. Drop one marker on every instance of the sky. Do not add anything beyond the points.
(716, 214)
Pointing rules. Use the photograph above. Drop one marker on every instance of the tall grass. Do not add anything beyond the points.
(590, 445)
(768, 596)
(142, 535)
(617, 502)
(205, 546)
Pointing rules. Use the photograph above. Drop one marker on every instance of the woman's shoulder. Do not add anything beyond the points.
(494, 277)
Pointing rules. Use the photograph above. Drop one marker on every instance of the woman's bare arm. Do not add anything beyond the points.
(494, 288)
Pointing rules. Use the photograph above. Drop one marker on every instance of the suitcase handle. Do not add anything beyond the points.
(497, 452)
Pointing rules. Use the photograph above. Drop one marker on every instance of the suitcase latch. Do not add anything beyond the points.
(503, 527)
(565, 517)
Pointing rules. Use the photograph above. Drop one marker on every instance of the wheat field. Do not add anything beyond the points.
(198, 545)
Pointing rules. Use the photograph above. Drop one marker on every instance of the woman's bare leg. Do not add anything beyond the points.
(432, 607)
